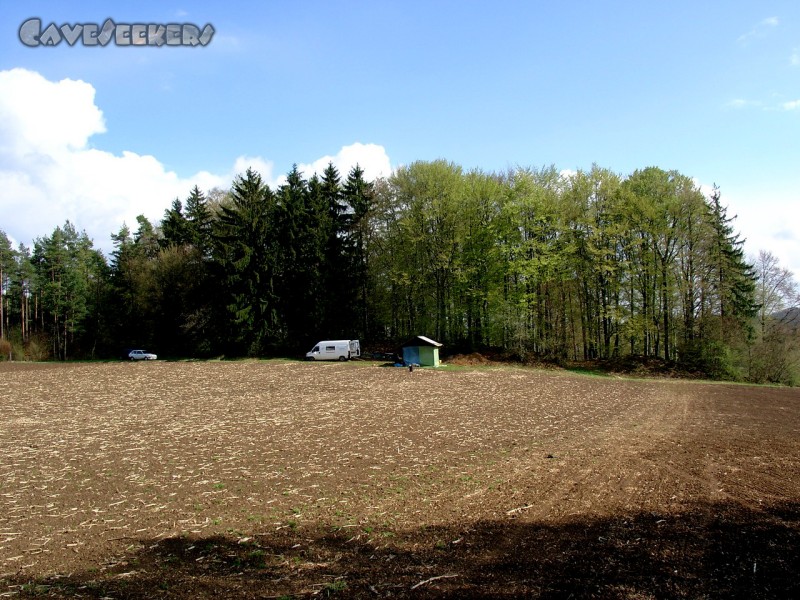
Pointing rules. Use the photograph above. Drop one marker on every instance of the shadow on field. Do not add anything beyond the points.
(713, 551)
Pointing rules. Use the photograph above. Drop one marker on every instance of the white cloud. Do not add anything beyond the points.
(759, 30)
(739, 103)
(704, 188)
(32, 113)
(763, 223)
(49, 173)
(785, 235)
(372, 158)
(794, 59)
(261, 166)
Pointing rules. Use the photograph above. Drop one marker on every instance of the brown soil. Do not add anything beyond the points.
(472, 359)
(283, 479)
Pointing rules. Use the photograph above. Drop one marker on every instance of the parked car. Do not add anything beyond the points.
(141, 355)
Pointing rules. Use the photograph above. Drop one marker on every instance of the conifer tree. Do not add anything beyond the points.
(732, 278)
(69, 270)
(175, 227)
(199, 221)
(336, 317)
(21, 292)
(301, 239)
(243, 251)
(6, 266)
(355, 229)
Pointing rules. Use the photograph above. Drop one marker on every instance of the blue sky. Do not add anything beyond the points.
(711, 89)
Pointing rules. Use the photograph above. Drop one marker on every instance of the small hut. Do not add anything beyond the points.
(422, 351)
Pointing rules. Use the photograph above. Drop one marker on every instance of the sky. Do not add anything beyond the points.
(98, 135)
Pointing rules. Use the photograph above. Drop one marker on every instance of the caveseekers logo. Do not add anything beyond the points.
(122, 34)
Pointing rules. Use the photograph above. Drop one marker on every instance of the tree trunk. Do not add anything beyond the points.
(665, 309)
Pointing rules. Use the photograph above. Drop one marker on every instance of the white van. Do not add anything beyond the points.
(335, 350)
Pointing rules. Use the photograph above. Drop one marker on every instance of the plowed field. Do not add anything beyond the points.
(290, 480)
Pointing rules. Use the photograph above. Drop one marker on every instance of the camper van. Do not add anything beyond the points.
(335, 350)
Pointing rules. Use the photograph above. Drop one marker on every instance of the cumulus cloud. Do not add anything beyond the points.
(793, 105)
(50, 173)
(263, 167)
(372, 158)
(32, 113)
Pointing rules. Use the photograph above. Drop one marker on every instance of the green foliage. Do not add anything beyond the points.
(712, 357)
(334, 588)
(590, 265)
(175, 228)
(244, 253)
(302, 225)
(71, 276)
(774, 357)
(351, 259)
(732, 277)
(7, 262)
(199, 222)
(425, 251)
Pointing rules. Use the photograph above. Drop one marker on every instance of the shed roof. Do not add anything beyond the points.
(421, 340)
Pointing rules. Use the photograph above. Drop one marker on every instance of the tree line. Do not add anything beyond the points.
(590, 266)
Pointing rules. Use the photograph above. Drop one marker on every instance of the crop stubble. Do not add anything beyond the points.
(436, 477)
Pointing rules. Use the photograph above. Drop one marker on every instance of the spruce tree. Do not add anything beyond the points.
(727, 297)
(301, 235)
(199, 220)
(174, 226)
(732, 278)
(337, 315)
(359, 197)
(244, 253)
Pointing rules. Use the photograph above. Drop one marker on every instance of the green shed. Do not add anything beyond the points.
(421, 351)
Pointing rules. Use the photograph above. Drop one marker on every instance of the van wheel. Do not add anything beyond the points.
(342, 358)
